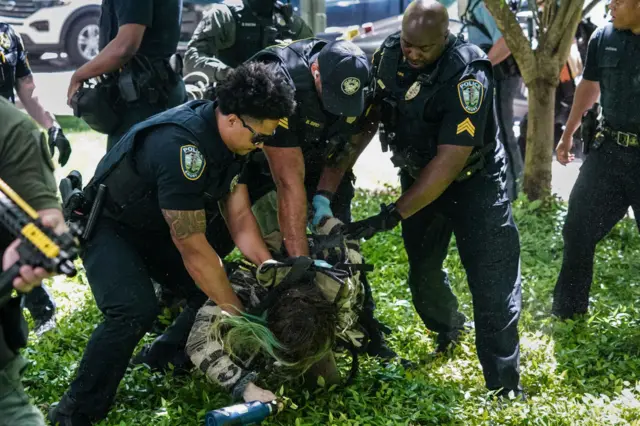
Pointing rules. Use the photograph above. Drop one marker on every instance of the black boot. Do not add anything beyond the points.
(447, 342)
(63, 414)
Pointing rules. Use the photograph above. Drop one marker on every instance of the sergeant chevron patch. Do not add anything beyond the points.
(466, 126)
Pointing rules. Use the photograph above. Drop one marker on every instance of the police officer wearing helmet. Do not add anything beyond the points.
(137, 39)
(160, 179)
(234, 30)
(483, 32)
(16, 77)
(433, 94)
(608, 181)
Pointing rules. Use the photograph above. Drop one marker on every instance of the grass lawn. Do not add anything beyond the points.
(583, 372)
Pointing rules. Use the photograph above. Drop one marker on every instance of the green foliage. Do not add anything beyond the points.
(582, 372)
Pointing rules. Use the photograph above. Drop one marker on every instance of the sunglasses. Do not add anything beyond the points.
(256, 138)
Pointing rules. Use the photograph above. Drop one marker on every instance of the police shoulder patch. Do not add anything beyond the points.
(471, 94)
(192, 162)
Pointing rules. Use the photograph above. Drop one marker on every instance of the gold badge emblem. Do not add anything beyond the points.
(413, 91)
(5, 41)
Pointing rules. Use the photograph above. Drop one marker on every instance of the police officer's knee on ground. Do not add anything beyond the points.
(133, 73)
(452, 182)
(608, 181)
(159, 179)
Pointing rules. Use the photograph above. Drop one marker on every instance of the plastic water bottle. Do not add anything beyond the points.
(241, 414)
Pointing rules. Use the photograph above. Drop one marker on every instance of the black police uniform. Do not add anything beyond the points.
(13, 61)
(163, 88)
(608, 181)
(175, 160)
(317, 132)
(451, 103)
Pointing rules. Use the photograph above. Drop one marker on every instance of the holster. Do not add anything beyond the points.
(589, 128)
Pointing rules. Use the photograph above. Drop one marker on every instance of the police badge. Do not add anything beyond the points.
(192, 162)
(350, 85)
(413, 91)
(471, 94)
(5, 41)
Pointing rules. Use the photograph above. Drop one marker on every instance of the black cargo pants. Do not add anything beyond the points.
(120, 263)
(607, 185)
(478, 212)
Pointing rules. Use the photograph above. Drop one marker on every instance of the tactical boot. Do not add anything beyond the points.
(160, 360)
(63, 414)
(42, 308)
(447, 342)
(378, 348)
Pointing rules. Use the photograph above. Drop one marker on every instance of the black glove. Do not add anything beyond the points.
(58, 139)
(387, 219)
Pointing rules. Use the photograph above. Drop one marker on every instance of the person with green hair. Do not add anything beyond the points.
(293, 320)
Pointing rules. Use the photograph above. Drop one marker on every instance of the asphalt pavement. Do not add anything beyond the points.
(373, 170)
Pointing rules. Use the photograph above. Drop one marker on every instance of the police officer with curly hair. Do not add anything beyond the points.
(608, 181)
(161, 179)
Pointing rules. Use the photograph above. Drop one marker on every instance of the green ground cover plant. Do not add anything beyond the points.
(580, 372)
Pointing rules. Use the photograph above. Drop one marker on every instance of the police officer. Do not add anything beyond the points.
(16, 77)
(234, 30)
(160, 179)
(608, 181)
(138, 37)
(434, 95)
(484, 33)
(27, 168)
(329, 81)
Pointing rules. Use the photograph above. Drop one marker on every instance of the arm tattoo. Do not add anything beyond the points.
(184, 223)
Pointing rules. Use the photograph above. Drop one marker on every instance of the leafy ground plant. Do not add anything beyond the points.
(580, 372)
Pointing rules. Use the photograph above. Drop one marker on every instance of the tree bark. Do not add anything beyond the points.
(540, 139)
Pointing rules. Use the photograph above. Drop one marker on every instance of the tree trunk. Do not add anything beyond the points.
(540, 139)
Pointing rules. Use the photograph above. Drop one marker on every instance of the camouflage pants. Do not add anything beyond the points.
(265, 209)
(14, 402)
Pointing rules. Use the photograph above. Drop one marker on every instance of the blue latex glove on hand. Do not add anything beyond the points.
(321, 209)
(322, 264)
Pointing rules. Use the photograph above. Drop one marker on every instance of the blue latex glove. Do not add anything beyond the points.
(322, 264)
(321, 209)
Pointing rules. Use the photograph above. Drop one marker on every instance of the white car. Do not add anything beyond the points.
(71, 26)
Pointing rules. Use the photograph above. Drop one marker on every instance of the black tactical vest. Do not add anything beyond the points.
(619, 63)
(404, 126)
(319, 132)
(8, 62)
(254, 33)
(133, 201)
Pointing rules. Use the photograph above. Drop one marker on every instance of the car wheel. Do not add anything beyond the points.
(82, 43)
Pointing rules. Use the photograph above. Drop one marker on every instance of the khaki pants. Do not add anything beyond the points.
(14, 402)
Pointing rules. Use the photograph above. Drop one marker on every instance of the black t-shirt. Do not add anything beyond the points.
(161, 17)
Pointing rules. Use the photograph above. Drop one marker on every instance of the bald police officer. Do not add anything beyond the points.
(234, 30)
(608, 181)
(161, 178)
(433, 94)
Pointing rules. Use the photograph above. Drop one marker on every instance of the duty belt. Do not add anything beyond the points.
(623, 138)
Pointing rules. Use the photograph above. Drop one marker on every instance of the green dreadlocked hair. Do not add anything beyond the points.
(297, 331)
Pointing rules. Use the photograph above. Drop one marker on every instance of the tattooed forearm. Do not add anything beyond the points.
(184, 223)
